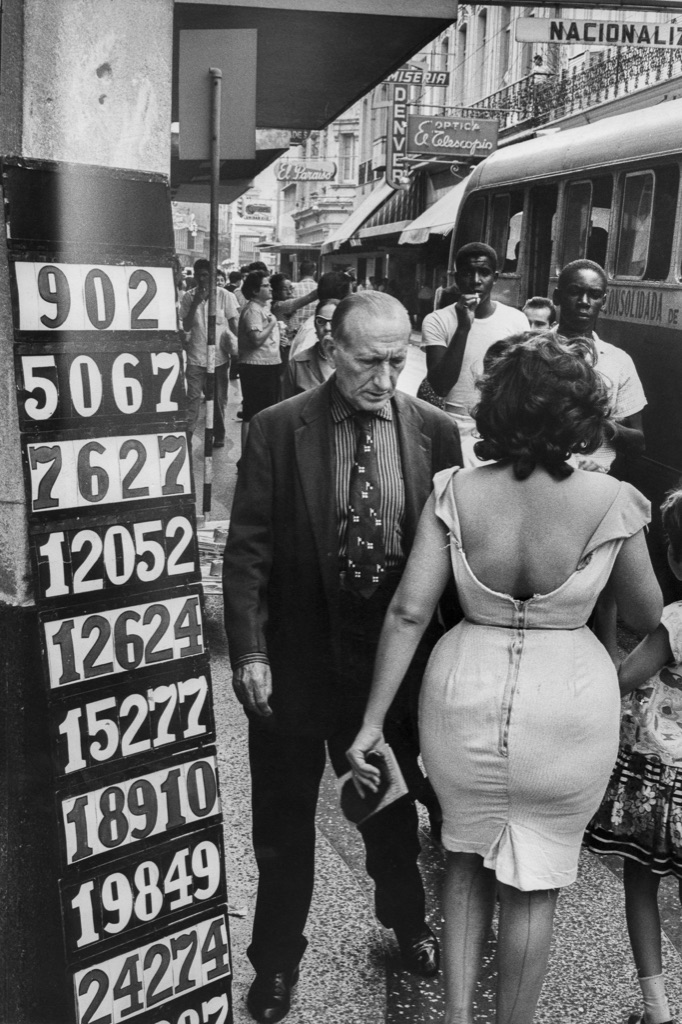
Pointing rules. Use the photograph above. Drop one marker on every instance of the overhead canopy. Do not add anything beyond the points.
(317, 57)
(439, 219)
(358, 217)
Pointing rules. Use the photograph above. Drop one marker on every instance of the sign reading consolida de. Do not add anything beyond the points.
(598, 33)
(462, 138)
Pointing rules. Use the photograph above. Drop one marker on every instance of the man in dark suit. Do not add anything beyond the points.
(303, 612)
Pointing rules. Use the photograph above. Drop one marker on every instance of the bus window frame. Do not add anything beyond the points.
(568, 184)
(624, 175)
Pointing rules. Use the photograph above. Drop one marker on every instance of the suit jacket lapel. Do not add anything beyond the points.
(315, 467)
(415, 451)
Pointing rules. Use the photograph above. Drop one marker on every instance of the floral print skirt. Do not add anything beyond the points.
(640, 816)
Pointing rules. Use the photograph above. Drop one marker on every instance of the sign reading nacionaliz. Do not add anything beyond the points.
(598, 33)
(112, 535)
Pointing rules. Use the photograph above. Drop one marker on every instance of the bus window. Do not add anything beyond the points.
(663, 225)
(587, 212)
(506, 222)
(600, 215)
(576, 220)
(647, 210)
(472, 221)
(635, 224)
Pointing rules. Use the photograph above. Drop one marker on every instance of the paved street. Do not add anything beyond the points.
(350, 973)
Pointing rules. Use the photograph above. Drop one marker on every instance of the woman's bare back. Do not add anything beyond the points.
(526, 537)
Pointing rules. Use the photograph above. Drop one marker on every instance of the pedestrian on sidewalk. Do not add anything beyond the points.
(518, 713)
(330, 487)
(456, 338)
(194, 319)
(640, 818)
(260, 362)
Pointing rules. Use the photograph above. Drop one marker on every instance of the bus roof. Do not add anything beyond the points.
(638, 135)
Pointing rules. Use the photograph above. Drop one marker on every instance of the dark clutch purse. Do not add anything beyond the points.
(427, 394)
(355, 807)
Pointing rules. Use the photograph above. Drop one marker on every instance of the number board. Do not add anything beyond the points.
(133, 722)
(85, 297)
(73, 561)
(59, 389)
(182, 962)
(111, 514)
(153, 886)
(122, 638)
(138, 807)
(92, 472)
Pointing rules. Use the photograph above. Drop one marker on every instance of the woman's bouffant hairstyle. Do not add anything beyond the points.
(541, 401)
(671, 514)
(277, 284)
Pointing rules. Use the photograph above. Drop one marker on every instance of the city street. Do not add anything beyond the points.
(351, 972)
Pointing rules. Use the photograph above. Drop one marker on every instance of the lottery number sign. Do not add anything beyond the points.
(110, 496)
(76, 297)
(78, 388)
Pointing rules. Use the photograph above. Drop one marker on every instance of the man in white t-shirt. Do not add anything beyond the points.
(457, 337)
(581, 294)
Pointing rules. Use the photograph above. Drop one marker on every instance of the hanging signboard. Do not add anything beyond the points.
(598, 32)
(414, 76)
(117, 583)
(396, 142)
(459, 138)
(305, 170)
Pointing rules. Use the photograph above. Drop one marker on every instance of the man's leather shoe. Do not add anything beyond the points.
(269, 998)
(420, 952)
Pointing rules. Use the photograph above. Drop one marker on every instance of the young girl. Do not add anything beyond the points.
(640, 817)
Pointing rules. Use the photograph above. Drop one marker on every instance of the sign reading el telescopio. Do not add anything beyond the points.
(112, 536)
(459, 137)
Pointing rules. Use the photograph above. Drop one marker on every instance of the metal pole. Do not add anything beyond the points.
(216, 76)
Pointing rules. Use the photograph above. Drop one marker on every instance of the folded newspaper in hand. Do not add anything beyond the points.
(359, 808)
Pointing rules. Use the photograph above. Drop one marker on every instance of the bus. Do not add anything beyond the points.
(608, 191)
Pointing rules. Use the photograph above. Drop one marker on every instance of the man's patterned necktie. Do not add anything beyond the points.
(366, 554)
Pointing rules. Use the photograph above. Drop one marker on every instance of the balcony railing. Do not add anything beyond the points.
(541, 97)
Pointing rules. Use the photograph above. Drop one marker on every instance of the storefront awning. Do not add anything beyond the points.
(439, 219)
(358, 217)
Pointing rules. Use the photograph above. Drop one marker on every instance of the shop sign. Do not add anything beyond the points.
(396, 144)
(598, 33)
(460, 138)
(117, 582)
(305, 170)
(412, 76)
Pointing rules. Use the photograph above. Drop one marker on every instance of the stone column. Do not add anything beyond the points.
(84, 81)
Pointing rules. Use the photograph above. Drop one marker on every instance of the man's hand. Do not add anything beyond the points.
(252, 683)
(465, 307)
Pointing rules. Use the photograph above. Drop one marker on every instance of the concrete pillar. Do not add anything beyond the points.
(84, 81)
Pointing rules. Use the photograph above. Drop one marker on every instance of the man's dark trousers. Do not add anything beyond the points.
(286, 771)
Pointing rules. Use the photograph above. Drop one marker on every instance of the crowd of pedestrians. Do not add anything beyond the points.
(444, 577)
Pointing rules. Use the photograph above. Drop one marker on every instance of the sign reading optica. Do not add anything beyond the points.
(598, 33)
(456, 137)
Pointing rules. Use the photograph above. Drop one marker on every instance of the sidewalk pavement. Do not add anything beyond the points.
(351, 973)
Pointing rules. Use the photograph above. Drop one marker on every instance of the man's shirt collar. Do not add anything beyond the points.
(342, 409)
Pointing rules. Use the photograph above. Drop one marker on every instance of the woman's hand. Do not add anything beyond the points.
(368, 739)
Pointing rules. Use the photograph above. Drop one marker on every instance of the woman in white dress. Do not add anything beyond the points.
(519, 707)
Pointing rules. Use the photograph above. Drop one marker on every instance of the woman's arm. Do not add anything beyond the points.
(285, 307)
(409, 613)
(635, 587)
(651, 654)
(254, 337)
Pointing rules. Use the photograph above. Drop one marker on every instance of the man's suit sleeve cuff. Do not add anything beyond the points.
(249, 659)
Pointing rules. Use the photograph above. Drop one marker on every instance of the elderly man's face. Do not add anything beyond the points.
(369, 360)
